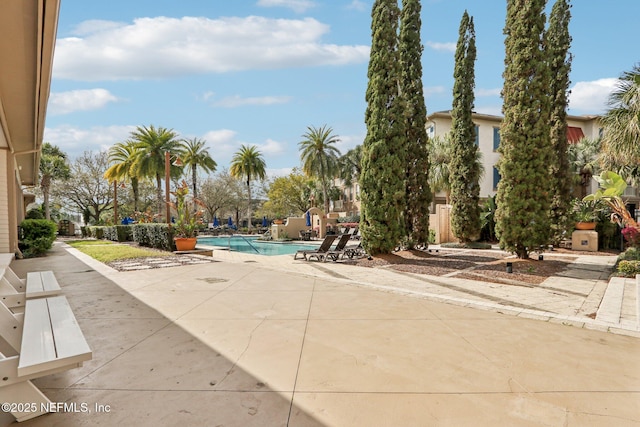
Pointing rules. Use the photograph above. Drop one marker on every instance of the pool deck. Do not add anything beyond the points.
(267, 341)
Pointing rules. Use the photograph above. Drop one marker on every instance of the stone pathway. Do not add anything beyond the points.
(159, 262)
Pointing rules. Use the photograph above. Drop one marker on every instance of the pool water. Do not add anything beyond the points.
(251, 245)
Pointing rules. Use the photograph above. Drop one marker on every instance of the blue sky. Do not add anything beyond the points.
(258, 72)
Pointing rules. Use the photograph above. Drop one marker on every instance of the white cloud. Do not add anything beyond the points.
(79, 100)
(357, 5)
(74, 141)
(591, 97)
(164, 47)
(238, 101)
(270, 147)
(347, 142)
(208, 95)
(96, 25)
(445, 47)
(488, 92)
(298, 6)
(275, 173)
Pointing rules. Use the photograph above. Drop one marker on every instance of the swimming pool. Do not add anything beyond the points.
(251, 245)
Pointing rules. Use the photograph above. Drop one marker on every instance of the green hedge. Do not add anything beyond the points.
(629, 268)
(631, 254)
(159, 236)
(153, 235)
(36, 237)
(118, 233)
(97, 232)
(352, 218)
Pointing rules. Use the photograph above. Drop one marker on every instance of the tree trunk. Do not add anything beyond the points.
(194, 177)
(249, 207)
(136, 193)
(45, 185)
(159, 189)
(324, 196)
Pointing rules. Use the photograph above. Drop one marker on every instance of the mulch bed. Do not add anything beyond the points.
(481, 265)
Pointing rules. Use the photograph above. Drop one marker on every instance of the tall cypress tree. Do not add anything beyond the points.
(382, 181)
(557, 44)
(464, 169)
(523, 197)
(418, 191)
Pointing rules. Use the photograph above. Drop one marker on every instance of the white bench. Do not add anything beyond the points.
(46, 339)
(14, 291)
(41, 284)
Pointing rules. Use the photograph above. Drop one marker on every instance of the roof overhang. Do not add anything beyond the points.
(27, 39)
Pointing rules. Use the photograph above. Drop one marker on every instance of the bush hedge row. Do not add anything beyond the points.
(36, 236)
(159, 236)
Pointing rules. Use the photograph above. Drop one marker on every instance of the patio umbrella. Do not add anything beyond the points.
(308, 215)
(216, 223)
(264, 221)
(230, 222)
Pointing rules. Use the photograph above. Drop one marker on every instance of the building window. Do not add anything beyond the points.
(431, 131)
(600, 132)
(477, 136)
(496, 138)
(496, 178)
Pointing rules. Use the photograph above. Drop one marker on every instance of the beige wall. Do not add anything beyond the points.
(5, 218)
(12, 209)
(439, 124)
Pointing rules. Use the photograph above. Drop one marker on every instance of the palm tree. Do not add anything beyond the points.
(350, 165)
(583, 158)
(194, 155)
(319, 156)
(440, 152)
(53, 166)
(248, 163)
(151, 144)
(621, 131)
(122, 156)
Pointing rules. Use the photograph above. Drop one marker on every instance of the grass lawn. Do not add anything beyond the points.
(107, 251)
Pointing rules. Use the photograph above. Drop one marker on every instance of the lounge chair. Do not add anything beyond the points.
(324, 247)
(354, 251)
(335, 253)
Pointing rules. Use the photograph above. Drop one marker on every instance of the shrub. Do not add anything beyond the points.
(352, 218)
(631, 236)
(629, 268)
(37, 236)
(118, 233)
(97, 231)
(34, 214)
(631, 254)
(154, 235)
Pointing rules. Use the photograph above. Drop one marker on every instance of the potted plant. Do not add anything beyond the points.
(586, 214)
(188, 221)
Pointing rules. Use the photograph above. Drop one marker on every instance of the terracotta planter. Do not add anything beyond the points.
(585, 225)
(185, 243)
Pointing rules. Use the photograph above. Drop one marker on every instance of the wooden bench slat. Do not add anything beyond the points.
(67, 334)
(41, 284)
(49, 282)
(51, 337)
(37, 337)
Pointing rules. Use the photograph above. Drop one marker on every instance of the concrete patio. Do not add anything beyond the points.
(239, 343)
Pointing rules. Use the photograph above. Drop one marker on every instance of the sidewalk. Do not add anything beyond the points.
(240, 343)
(572, 298)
